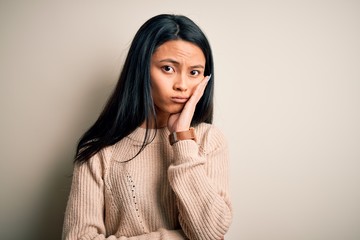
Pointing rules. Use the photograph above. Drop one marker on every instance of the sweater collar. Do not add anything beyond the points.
(138, 134)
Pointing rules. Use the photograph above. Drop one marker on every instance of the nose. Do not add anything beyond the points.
(180, 83)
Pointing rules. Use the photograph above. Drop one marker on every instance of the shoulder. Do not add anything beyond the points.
(97, 164)
(210, 138)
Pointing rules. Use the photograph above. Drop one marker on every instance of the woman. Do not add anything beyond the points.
(152, 166)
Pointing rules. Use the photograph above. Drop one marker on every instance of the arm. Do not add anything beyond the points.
(200, 181)
(84, 217)
(199, 176)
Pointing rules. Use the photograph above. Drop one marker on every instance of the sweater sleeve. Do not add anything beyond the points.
(84, 216)
(199, 177)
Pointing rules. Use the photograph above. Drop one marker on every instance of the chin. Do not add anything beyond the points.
(173, 109)
(176, 110)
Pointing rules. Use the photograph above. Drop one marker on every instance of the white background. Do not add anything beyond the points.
(287, 98)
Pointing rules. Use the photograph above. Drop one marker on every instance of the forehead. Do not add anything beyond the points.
(179, 50)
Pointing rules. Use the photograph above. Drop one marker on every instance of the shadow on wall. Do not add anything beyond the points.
(55, 196)
(49, 222)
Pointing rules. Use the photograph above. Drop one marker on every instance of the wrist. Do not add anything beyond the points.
(182, 135)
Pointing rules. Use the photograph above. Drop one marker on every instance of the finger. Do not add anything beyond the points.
(199, 90)
(184, 119)
(203, 84)
(189, 108)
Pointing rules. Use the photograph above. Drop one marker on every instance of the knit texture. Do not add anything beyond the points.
(166, 192)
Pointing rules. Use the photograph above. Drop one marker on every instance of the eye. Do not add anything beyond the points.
(195, 73)
(167, 69)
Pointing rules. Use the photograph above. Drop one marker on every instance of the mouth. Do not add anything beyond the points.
(179, 99)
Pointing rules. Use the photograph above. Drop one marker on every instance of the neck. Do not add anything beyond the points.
(161, 121)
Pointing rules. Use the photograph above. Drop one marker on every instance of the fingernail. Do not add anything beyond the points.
(209, 77)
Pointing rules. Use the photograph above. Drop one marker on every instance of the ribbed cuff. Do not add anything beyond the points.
(186, 151)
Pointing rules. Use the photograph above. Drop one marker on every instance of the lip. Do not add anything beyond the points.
(179, 99)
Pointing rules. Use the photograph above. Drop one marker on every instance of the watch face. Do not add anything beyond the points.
(173, 138)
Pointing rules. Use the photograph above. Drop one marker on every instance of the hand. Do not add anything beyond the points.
(181, 121)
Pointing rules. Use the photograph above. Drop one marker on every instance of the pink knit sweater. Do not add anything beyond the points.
(166, 192)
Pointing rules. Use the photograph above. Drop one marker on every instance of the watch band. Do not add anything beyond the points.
(184, 135)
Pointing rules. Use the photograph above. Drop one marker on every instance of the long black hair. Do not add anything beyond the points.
(131, 102)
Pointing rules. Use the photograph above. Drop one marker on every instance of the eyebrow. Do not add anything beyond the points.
(177, 63)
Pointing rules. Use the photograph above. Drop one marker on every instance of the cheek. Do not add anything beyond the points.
(159, 90)
(194, 84)
(156, 92)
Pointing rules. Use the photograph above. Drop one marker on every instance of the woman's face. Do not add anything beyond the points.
(177, 67)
